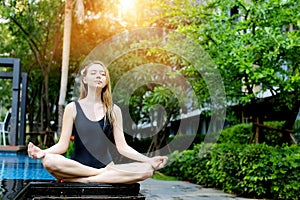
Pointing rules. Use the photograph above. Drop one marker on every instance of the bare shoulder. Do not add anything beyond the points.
(116, 109)
(70, 109)
(117, 113)
(70, 105)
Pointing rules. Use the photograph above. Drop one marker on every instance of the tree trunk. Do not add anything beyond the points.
(65, 62)
(291, 116)
(41, 127)
(46, 92)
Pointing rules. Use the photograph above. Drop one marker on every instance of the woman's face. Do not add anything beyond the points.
(95, 76)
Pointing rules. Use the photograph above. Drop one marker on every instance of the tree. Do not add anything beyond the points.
(34, 34)
(154, 89)
(253, 43)
(100, 16)
(65, 59)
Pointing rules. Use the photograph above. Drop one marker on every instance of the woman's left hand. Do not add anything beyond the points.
(158, 162)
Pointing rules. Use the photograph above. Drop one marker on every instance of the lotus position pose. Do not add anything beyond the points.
(93, 119)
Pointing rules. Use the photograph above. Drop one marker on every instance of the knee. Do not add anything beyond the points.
(50, 162)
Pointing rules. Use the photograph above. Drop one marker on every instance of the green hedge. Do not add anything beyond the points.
(233, 165)
(242, 133)
(256, 171)
(238, 134)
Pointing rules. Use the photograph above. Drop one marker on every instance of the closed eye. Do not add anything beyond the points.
(93, 72)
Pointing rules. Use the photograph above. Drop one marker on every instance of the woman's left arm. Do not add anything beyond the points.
(157, 162)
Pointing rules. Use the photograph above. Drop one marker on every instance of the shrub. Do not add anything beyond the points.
(286, 171)
(238, 134)
(185, 165)
(273, 137)
(255, 171)
(241, 134)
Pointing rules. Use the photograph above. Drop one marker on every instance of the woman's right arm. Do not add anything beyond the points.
(62, 145)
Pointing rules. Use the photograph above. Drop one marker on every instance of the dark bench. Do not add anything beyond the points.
(53, 190)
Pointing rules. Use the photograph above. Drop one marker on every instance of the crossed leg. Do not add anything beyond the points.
(61, 167)
(72, 171)
(119, 173)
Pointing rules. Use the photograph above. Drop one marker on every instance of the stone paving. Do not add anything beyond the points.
(179, 190)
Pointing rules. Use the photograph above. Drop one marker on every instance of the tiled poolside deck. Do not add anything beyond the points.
(12, 149)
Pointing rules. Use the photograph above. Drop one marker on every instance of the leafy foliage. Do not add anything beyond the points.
(237, 134)
(241, 134)
(255, 45)
(254, 171)
(33, 32)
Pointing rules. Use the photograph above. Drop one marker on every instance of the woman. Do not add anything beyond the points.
(92, 119)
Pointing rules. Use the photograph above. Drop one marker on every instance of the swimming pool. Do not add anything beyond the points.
(16, 171)
(20, 166)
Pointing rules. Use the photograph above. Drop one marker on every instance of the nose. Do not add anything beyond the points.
(99, 75)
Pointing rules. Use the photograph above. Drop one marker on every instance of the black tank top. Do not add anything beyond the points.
(92, 140)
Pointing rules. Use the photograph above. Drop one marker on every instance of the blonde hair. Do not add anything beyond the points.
(106, 96)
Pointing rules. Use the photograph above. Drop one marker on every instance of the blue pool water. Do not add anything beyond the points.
(16, 171)
(20, 166)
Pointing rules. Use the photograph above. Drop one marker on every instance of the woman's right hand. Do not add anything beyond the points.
(34, 151)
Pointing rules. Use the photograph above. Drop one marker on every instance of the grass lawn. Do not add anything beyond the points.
(160, 176)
